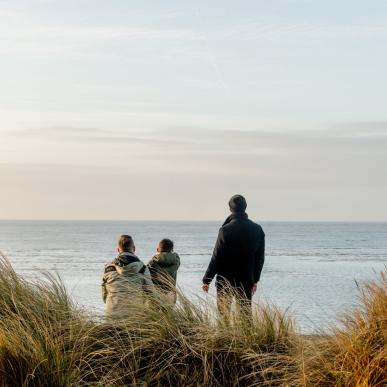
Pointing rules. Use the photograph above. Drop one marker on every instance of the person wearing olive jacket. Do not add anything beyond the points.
(238, 258)
(163, 267)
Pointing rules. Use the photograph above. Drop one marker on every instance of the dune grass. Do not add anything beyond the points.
(46, 340)
(356, 353)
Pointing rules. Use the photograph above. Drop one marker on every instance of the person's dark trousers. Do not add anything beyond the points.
(226, 292)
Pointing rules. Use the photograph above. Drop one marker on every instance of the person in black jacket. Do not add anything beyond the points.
(238, 258)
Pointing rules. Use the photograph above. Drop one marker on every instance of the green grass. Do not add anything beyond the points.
(46, 340)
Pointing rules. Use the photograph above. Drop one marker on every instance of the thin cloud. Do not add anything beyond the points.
(359, 139)
(258, 29)
(19, 33)
(363, 128)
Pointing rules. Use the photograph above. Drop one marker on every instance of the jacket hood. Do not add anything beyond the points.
(167, 259)
(125, 258)
(131, 268)
(126, 263)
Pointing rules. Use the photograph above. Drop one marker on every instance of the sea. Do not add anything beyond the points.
(312, 270)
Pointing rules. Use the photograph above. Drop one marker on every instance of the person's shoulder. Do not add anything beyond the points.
(223, 230)
(111, 263)
(231, 226)
(109, 270)
(169, 257)
(227, 226)
(258, 227)
(155, 258)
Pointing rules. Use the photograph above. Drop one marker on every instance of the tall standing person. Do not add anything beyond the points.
(238, 258)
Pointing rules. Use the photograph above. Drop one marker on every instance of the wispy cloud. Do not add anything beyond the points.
(261, 29)
(346, 137)
(363, 128)
(20, 33)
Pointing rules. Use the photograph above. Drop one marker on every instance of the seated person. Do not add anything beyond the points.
(163, 267)
(126, 280)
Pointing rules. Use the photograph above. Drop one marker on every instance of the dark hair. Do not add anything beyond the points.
(166, 245)
(237, 203)
(125, 242)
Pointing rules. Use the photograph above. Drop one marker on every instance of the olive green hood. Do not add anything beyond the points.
(164, 264)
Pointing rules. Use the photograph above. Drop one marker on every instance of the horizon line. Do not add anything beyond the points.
(189, 220)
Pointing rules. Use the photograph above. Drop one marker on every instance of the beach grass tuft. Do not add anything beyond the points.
(354, 354)
(47, 340)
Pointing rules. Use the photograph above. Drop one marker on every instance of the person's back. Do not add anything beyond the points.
(243, 240)
(125, 281)
(163, 267)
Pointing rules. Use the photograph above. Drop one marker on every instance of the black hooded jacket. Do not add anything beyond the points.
(239, 252)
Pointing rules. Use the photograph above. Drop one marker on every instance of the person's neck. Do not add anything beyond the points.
(239, 214)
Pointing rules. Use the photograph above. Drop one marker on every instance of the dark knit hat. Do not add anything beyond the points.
(237, 204)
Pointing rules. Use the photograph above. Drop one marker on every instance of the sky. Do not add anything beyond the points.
(164, 109)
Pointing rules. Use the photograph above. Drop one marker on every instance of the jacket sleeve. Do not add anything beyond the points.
(104, 291)
(153, 263)
(216, 258)
(260, 259)
(147, 281)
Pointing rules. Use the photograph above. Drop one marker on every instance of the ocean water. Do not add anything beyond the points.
(312, 269)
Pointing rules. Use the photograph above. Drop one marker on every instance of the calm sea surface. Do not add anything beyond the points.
(310, 268)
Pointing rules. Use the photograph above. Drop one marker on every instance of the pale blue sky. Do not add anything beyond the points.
(172, 106)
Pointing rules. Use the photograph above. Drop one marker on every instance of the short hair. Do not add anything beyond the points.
(237, 203)
(166, 245)
(125, 242)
